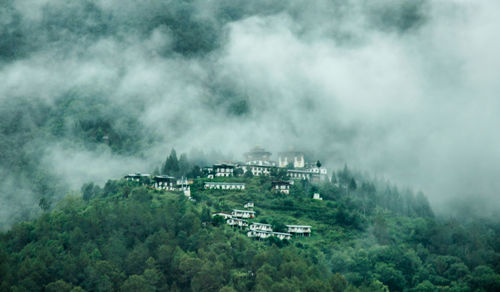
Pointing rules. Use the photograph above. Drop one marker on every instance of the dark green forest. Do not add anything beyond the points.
(129, 237)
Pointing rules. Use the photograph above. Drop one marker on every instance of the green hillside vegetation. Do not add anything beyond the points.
(129, 237)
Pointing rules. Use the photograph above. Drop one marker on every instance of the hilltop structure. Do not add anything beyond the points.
(295, 158)
(138, 177)
(162, 182)
(257, 155)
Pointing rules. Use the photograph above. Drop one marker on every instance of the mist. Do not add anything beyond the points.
(404, 90)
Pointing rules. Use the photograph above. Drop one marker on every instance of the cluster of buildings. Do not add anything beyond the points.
(258, 162)
(239, 219)
(162, 182)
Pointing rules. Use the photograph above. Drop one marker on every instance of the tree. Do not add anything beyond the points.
(217, 220)
(136, 283)
(352, 185)
(205, 214)
(425, 286)
(171, 165)
(183, 165)
(238, 171)
(344, 175)
(58, 286)
(44, 203)
(278, 226)
(422, 207)
(390, 276)
(248, 174)
(337, 282)
(89, 191)
(485, 278)
(195, 172)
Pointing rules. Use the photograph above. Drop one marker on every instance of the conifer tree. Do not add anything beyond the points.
(171, 166)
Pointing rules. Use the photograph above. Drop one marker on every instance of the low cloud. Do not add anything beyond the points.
(405, 91)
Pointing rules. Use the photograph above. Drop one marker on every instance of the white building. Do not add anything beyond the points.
(316, 196)
(281, 186)
(259, 234)
(266, 234)
(223, 169)
(313, 173)
(243, 213)
(138, 177)
(299, 174)
(164, 182)
(261, 227)
(257, 154)
(257, 170)
(297, 158)
(282, 235)
(236, 222)
(249, 205)
(223, 215)
(301, 230)
(224, 186)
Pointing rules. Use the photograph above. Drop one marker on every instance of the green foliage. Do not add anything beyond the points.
(171, 165)
(132, 238)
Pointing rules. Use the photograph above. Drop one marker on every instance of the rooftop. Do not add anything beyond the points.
(137, 174)
(290, 153)
(222, 183)
(164, 177)
(243, 211)
(225, 165)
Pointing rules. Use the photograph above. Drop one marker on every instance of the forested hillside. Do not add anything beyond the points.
(128, 237)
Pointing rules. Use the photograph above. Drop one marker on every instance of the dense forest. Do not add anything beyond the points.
(367, 236)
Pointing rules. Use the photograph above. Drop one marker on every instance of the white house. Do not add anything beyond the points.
(243, 213)
(223, 169)
(295, 157)
(317, 173)
(316, 196)
(257, 170)
(281, 186)
(299, 174)
(259, 234)
(137, 176)
(282, 235)
(224, 186)
(223, 215)
(249, 205)
(261, 227)
(236, 222)
(164, 182)
(301, 230)
(266, 234)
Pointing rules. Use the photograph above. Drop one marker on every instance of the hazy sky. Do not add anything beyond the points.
(409, 92)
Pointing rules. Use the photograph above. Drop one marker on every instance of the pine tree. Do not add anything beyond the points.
(171, 166)
(183, 165)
